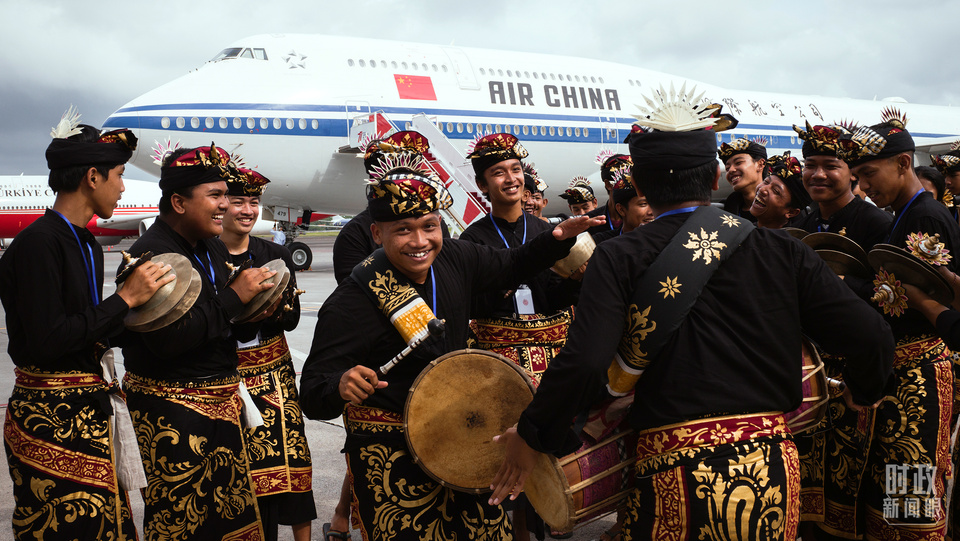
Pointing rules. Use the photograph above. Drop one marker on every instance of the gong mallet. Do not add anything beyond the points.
(435, 327)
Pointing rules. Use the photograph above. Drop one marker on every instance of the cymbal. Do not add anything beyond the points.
(261, 300)
(911, 270)
(843, 264)
(796, 232)
(167, 296)
(182, 307)
(839, 243)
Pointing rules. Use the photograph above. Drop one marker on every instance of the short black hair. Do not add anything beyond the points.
(664, 188)
(935, 178)
(67, 179)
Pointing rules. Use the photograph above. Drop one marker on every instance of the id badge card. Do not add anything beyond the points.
(523, 300)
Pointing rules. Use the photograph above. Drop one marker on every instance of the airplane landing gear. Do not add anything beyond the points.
(301, 255)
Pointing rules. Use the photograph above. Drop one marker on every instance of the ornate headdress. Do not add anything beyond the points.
(578, 192)
(402, 185)
(623, 189)
(610, 163)
(113, 147)
(949, 162)
(247, 183)
(399, 142)
(531, 179)
(788, 169)
(821, 140)
(888, 138)
(489, 150)
(680, 132)
(197, 166)
(742, 146)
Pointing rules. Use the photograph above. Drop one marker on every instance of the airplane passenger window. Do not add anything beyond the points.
(569, 131)
(535, 75)
(516, 129)
(577, 131)
(383, 64)
(276, 124)
(227, 53)
(500, 72)
(435, 68)
(552, 77)
(404, 65)
(509, 73)
(483, 71)
(251, 123)
(350, 62)
(498, 130)
(362, 63)
(314, 124)
(449, 127)
(577, 77)
(569, 79)
(489, 129)
(180, 122)
(289, 123)
(601, 80)
(593, 79)
(543, 130)
(526, 74)
(469, 127)
(302, 123)
(414, 66)
(373, 63)
(408, 126)
(237, 123)
(586, 132)
(194, 122)
(260, 54)
(552, 131)
(424, 67)
(459, 127)
(247, 53)
(393, 64)
(165, 122)
(506, 129)
(630, 81)
(526, 130)
(443, 67)
(223, 123)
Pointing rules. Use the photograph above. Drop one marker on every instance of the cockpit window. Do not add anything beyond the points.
(241, 52)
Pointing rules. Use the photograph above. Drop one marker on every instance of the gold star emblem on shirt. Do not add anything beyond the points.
(671, 287)
(730, 221)
(705, 246)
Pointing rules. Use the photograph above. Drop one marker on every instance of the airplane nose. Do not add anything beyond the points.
(128, 117)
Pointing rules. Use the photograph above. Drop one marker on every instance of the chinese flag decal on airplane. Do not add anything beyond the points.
(415, 87)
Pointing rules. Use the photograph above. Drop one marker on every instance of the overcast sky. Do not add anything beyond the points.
(99, 55)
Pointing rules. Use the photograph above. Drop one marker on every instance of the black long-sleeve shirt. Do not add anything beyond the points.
(200, 343)
(550, 292)
(728, 356)
(52, 321)
(352, 331)
(861, 222)
(263, 252)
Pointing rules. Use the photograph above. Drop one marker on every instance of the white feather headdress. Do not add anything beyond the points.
(68, 125)
(675, 111)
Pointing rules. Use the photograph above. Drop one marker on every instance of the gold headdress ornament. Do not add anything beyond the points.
(579, 191)
(403, 160)
(949, 162)
(603, 156)
(893, 116)
(530, 169)
(161, 150)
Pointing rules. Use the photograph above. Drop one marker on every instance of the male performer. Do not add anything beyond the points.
(828, 180)
(579, 197)
(182, 382)
(612, 167)
(278, 451)
(781, 196)
(393, 497)
(61, 431)
(948, 165)
(534, 188)
(745, 161)
(715, 455)
(911, 429)
(630, 204)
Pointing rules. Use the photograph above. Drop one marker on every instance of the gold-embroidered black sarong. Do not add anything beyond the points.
(723, 478)
(393, 498)
(529, 341)
(278, 452)
(59, 450)
(199, 484)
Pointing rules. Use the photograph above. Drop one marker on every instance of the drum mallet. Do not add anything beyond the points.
(435, 327)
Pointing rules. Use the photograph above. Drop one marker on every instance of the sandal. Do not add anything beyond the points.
(554, 534)
(613, 534)
(328, 533)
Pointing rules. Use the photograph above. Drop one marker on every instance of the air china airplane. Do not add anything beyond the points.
(297, 108)
(24, 198)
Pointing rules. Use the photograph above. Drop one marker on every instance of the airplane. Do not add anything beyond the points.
(308, 102)
(24, 198)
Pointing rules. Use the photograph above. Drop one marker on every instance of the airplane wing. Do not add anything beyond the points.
(125, 221)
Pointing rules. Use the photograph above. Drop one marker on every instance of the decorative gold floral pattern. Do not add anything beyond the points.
(705, 247)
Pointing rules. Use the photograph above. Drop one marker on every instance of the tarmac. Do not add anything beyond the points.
(324, 437)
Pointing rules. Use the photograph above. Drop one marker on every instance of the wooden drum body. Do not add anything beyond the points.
(816, 395)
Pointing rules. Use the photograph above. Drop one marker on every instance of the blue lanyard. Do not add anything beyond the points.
(683, 210)
(434, 283)
(901, 213)
(208, 270)
(523, 216)
(88, 265)
(609, 219)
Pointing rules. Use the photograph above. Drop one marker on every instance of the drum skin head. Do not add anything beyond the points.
(455, 408)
